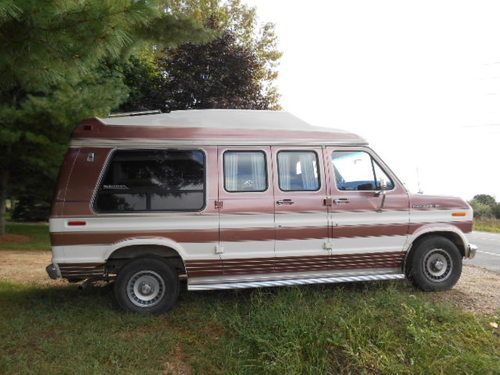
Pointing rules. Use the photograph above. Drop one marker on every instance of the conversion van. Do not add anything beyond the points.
(227, 199)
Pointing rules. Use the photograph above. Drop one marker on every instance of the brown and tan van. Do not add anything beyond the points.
(229, 199)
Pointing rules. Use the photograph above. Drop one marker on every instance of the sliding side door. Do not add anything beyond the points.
(246, 207)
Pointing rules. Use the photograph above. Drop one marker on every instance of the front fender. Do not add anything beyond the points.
(440, 228)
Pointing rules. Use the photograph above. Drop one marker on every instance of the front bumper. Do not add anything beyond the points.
(471, 251)
(53, 271)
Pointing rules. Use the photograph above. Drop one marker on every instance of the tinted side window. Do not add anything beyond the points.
(298, 171)
(245, 171)
(356, 170)
(153, 180)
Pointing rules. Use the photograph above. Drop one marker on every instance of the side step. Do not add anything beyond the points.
(289, 282)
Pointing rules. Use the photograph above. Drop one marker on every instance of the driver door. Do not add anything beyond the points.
(367, 221)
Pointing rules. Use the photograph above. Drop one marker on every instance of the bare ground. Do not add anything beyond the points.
(477, 291)
(14, 238)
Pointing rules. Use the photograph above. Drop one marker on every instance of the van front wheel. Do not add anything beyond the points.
(436, 264)
(147, 286)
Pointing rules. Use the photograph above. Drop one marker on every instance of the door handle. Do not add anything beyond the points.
(285, 202)
(341, 200)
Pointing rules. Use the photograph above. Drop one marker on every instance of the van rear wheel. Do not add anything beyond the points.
(436, 264)
(147, 286)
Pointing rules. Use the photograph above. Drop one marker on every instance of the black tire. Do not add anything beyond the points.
(435, 264)
(147, 286)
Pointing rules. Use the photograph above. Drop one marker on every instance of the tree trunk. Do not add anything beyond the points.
(4, 178)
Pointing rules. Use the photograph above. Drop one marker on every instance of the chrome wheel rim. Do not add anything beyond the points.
(145, 288)
(437, 265)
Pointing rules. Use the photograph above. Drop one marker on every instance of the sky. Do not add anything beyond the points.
(420, 80)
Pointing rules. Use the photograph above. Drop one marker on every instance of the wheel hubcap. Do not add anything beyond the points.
(145, 288)
(437, 265)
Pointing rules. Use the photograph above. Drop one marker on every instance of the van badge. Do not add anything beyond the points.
(429, 205)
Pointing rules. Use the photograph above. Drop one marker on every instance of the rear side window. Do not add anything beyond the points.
(245, 171)
(357, 170)
(153, 180)
(298, 171)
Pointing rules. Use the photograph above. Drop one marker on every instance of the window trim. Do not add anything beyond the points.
(318, 166)
(373, 159)
(244, 191)
(105, 169)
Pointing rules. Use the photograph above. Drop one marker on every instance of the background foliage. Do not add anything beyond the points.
(65, 60)
(485, 207)
(235, 70)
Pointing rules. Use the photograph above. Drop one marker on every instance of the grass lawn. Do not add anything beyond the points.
(487, 225)
(38, 237)
(377, 328)
(369, 328)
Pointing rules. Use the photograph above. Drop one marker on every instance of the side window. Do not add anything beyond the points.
(245, 171)
(298, 171)
(356, 170)
(153, 180)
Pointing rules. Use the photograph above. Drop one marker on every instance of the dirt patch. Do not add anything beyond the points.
(478, 290)
(177, 364)
(25, 266)
(14, 238)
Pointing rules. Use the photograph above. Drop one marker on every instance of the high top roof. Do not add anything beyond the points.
(219, 119)
(209, 126)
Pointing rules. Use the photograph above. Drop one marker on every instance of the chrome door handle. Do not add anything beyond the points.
(285, 202)
(341, 200)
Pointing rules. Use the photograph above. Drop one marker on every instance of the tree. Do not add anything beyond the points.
(57, 66)
(485, 199)
(485, 206)
(481, 210)
(496, 211)
(236, 70)
(220, 74)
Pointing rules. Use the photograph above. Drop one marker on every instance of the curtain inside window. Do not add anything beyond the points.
(244, 171)
(297, 171)
(284, 170)
(231, 171)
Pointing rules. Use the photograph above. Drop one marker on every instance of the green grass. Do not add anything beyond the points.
(38, 234)
(377, 328)
(371, 328)
(487, 225)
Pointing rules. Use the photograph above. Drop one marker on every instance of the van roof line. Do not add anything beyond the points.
(218, 118)
(136, 113)
(160, 143)
(223, 126)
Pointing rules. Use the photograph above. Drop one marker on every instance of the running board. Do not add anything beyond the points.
(289, 282)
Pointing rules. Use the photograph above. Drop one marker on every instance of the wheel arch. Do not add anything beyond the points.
(451, 233)
(123, 252)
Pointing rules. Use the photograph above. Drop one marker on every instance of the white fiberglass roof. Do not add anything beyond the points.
(220, 118)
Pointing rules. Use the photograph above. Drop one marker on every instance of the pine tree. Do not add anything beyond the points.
(57, 60)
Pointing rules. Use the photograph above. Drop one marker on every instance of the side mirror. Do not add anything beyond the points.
(383, 184)
(382, 187)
